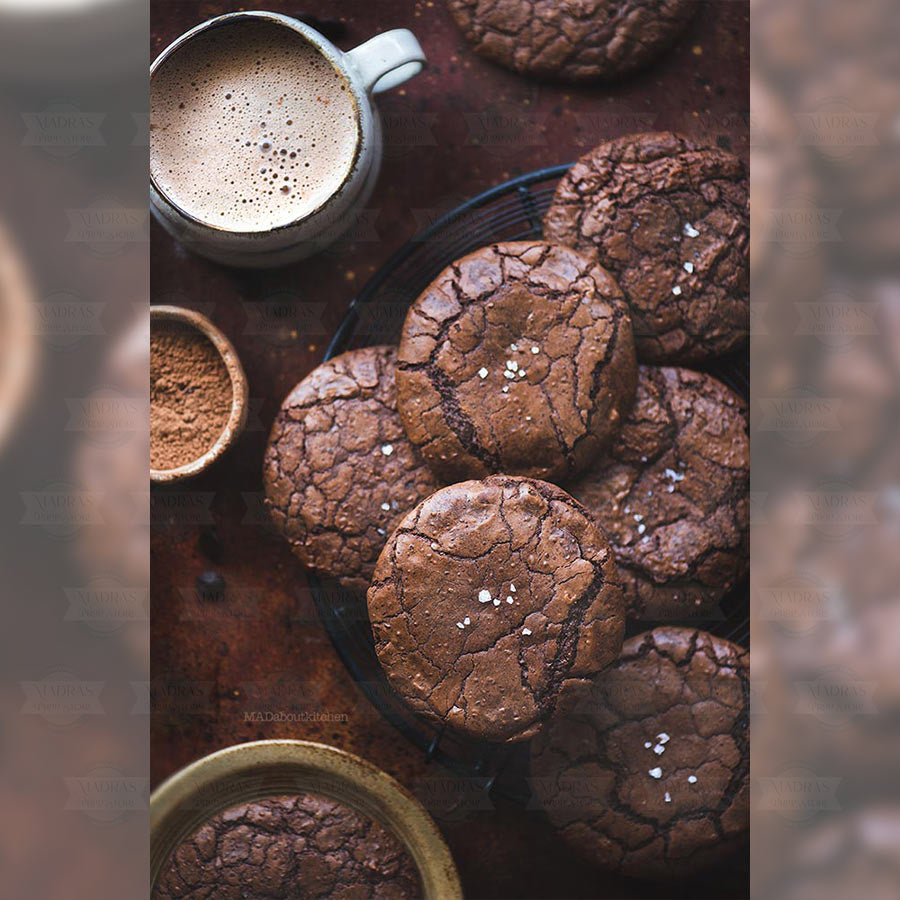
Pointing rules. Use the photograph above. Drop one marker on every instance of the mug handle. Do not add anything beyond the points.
(387, 60)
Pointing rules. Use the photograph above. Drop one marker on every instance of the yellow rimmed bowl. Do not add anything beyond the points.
(247, 772)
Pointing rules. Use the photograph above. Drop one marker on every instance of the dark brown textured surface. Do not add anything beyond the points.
(488, 597)
(673, 494)
(675, 707)
(459, 128)
(572, 40)
(517, 358)
(339, 471)
(284, 848)
(670, 219)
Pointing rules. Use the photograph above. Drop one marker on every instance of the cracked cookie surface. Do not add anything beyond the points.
(670, 220)
(287, 848)
(645, 768)
(571, 40)
(487, 598)
(339, 471)
(672, 494)
(517, 358)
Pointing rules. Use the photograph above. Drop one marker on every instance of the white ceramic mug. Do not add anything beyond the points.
(381, 63)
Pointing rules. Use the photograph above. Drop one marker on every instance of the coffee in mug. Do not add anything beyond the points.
(264, 140)
(253, 128)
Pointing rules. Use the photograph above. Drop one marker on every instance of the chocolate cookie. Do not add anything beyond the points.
(572, 40)
(339, 472)
(645, 768)
(517, 358)
(487, 598)
(670, 220)
(673, 494)
(304, 846)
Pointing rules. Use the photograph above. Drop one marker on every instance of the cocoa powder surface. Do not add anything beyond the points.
(190, 395)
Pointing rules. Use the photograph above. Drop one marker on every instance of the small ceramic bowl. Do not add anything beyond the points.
(239, 391)
(247, 772)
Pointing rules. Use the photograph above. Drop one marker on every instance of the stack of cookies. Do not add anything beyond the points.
(533, 464)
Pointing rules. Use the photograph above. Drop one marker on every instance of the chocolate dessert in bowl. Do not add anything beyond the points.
(287, 818)
(198, 393)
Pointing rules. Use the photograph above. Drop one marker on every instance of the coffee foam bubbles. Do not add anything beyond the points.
(251, 127)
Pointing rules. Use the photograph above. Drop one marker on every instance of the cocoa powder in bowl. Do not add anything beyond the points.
(191, 394)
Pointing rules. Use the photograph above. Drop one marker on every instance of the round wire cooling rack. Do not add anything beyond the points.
(508, 212)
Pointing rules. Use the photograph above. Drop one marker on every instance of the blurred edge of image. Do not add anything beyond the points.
(825, 176)
(825, 179)
(74, 351)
